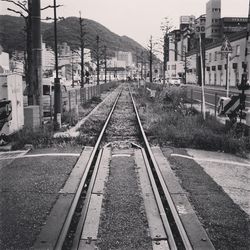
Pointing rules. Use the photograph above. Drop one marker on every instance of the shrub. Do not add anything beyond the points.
(171, 122)
(42, 137)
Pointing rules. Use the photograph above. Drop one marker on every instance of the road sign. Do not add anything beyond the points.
(226, 46)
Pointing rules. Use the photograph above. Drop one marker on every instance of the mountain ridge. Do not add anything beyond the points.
(13, 38)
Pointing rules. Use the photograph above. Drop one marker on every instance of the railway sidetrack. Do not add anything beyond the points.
(122, 194)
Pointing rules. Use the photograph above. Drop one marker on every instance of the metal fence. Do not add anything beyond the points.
(73, 98)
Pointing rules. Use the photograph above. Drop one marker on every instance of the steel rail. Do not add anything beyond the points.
(84, 212)
(69, 217)
(172, 207)
(160, 206)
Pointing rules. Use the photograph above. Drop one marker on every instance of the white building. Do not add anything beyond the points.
(48, 58)
(4, 61)
(216, 63)
(123, 56)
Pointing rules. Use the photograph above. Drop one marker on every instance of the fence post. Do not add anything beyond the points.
(70, 106)
(191, 98)
(201, 103)
(77, 110)
(51, 107)
(215, 104)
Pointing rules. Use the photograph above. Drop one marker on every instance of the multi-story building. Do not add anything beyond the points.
(213, 16)
(48, 58)
(230, 25)
(64, 49)
(125, 56)
(216, 63)
(187, 22)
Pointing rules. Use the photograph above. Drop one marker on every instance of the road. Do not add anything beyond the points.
(213, 93)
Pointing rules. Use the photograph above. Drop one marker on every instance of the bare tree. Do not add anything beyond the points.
(166, 27)
(150, 49)
(82, 45)
(24, 10)
(99, 53)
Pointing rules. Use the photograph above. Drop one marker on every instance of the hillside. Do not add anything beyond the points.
(12, 36)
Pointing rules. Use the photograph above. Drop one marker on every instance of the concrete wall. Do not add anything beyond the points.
(11, 89)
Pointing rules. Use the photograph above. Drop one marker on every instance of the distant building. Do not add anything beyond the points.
(48, 58)
(126, 57)
(64, 49)
(187, 22)
(231, 25)
(213, 16)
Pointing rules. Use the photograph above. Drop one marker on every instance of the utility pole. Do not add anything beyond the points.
(82, 49)
(97, 59)
(142, 65)
(202, 81)
(72, 69)
(37, 56)
(29, 64)
(165, 57)
(244, 85)
(185, 65)
(57, 86)
(105, 63)
(150, 59)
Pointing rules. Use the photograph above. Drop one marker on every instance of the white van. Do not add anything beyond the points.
(174, 81)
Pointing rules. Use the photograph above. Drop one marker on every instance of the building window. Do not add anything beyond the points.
(215, 55)
(210, 57)
(215, 78)
(237, 50)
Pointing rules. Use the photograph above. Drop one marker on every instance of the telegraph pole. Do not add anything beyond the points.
(37, 55)
(57, 87)
(97, 59)
(105, 63)
(151, 59)
(82, 49)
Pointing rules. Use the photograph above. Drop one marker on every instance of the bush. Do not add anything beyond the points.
(70, 117)
(172, 123)
(43, 137)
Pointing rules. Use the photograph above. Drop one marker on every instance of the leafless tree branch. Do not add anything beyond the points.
(17, 12)
(51, 6)
(19, 4)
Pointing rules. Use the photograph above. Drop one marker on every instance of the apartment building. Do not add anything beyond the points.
(213, 15)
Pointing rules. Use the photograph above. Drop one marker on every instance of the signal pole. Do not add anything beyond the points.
(57, 86)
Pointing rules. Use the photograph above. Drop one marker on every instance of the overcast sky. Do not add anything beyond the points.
(138, 19)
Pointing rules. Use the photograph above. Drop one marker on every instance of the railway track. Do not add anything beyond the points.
(121, 201)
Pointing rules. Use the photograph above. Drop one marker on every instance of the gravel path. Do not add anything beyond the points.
(123, 221)
(227, 225)
(28, 189)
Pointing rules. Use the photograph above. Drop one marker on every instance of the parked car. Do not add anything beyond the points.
(174, 81)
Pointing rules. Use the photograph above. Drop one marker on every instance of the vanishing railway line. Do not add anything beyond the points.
(122, 201)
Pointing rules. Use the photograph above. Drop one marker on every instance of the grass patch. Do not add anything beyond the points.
(169, 121)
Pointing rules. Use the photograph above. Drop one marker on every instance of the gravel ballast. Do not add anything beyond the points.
(123, 221)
